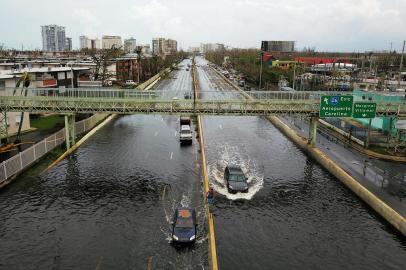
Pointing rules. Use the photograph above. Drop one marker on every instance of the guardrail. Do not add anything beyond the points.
(24, 159)
(118, 93)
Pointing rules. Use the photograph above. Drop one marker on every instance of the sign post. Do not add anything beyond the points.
(336, 106)
(364, 110)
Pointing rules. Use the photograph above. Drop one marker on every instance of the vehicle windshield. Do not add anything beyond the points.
(184, 223)
(237, 177)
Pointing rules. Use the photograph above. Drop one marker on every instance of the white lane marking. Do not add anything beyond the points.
(171, 155)
(156, 133)
(176, 133)
(221, 126)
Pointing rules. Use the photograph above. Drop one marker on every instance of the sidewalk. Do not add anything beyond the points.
(386, 180)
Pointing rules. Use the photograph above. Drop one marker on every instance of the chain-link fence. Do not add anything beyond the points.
(17, 163)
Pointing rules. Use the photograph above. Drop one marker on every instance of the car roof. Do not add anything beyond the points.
(234, 169)
(185, 212)
(185, 127)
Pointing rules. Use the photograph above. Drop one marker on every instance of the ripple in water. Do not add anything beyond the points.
(234, 156)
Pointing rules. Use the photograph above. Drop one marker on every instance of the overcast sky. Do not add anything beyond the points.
(344, 25)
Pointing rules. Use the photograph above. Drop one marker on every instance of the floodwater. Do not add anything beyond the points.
(109, 205)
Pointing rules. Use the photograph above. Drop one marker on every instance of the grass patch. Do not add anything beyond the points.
(44, 162)
(48, 122)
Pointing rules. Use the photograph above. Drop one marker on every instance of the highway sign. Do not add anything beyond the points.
(336, 106)
(364, 110)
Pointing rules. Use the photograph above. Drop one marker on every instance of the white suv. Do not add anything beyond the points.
(185, 135)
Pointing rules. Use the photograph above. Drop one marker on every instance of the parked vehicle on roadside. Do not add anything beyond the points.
(130, 82)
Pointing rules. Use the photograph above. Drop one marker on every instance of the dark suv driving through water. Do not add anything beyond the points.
(236, 180)
(184, 226)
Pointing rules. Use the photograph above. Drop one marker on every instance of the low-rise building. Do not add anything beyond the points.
(285, 65)
(45, 77)
(7, 83)
(127, 68)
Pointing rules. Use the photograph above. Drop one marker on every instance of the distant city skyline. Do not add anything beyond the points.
(327, 25)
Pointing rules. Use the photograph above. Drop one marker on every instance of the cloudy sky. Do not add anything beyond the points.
(344, 25)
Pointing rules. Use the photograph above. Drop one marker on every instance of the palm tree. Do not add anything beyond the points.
(24, 81)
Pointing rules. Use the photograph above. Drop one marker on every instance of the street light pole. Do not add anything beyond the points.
(401, 63)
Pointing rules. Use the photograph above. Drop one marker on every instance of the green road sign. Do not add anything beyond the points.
(336, 106)
(364, 110)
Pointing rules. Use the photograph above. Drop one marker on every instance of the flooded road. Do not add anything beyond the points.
(295, 215)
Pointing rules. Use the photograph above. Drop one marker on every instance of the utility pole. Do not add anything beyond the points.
(401, 63)
(260, 71)
(294, 77)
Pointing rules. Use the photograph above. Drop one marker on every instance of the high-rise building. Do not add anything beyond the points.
(89, 43)
(109, 42)
(277, 46)
(157, 46)
(53, 38)
(211, 47)
(162, 46)
(144, 48)
(170, 46)
(68, 44)
(130, 45)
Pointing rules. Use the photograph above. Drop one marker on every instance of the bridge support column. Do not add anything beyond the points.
(313, 131)
(70, 132)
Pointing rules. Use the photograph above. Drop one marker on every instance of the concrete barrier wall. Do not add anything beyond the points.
(153, 79)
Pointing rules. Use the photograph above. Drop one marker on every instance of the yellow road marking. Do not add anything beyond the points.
(149, 265)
